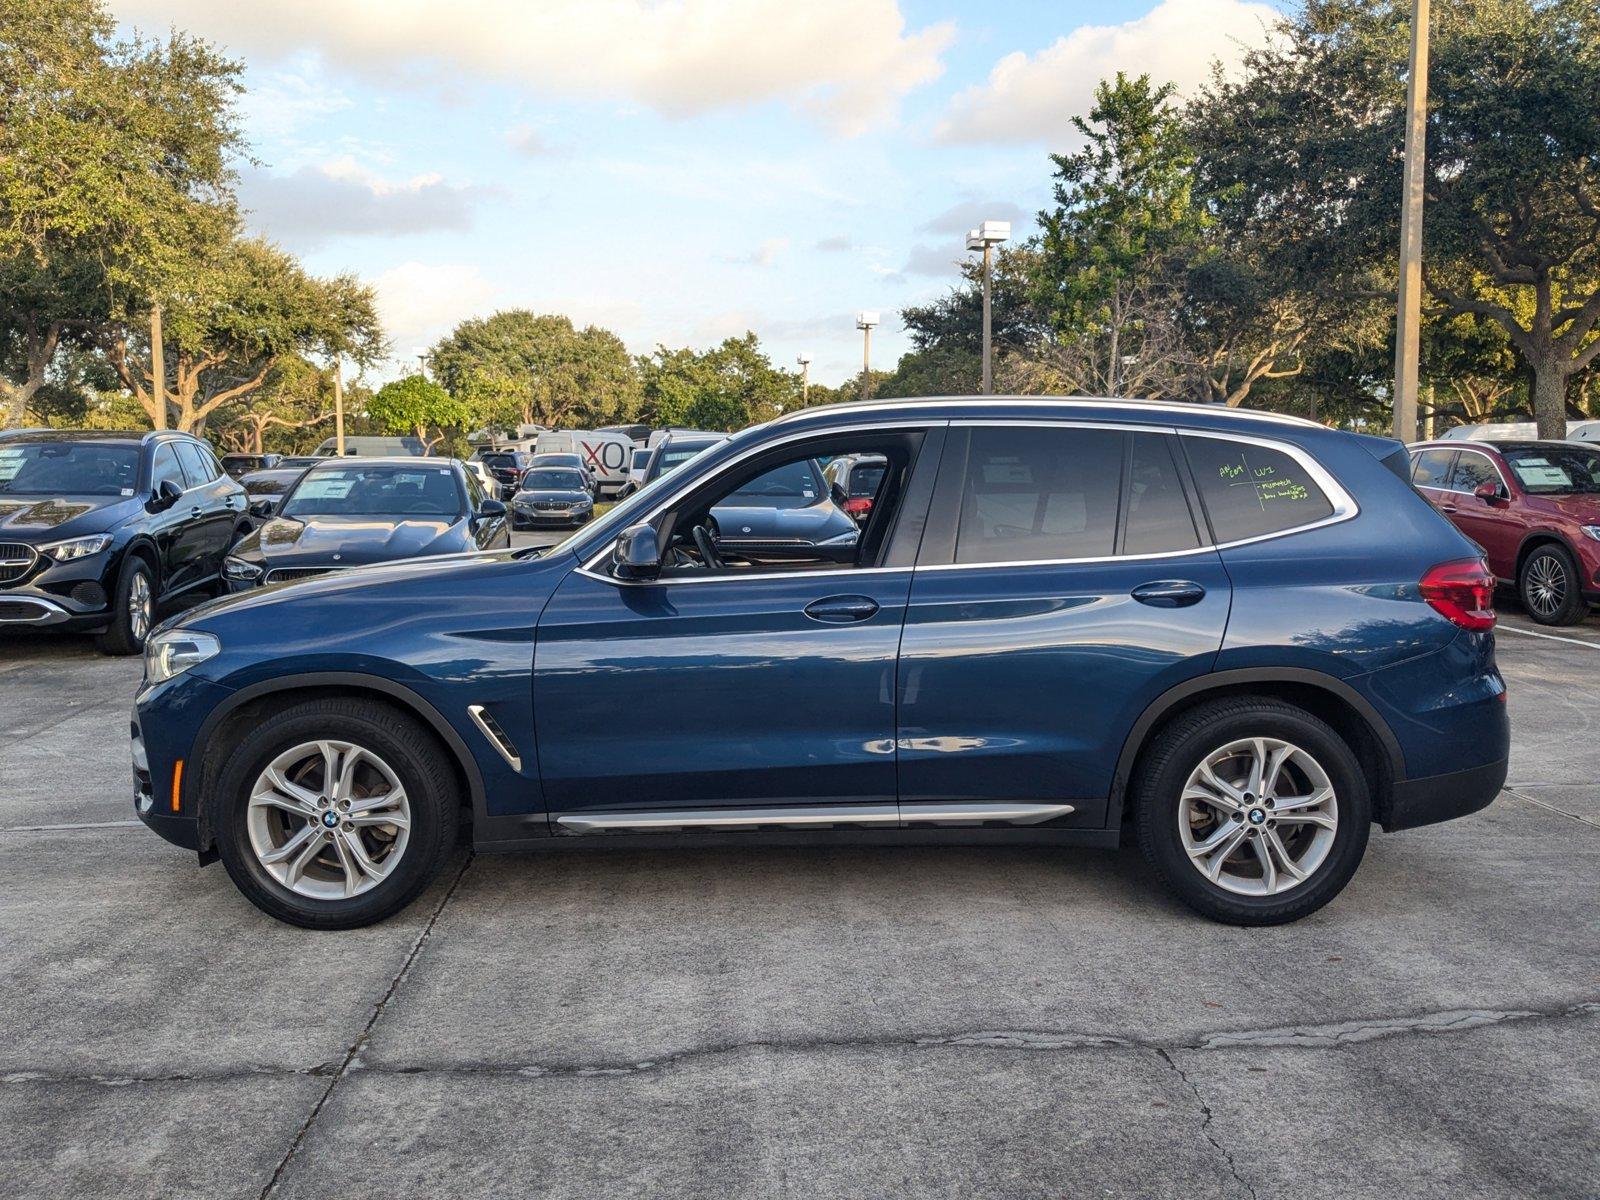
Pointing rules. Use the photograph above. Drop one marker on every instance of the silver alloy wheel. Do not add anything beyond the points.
(1545, 589)
(141, 606)
(328, 819)
(1258, 816)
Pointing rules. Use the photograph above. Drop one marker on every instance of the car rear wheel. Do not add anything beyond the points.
(1253, 811)
(335, 813)
(1549, 587)
(133, 609)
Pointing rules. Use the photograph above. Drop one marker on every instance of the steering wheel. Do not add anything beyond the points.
(707, 548)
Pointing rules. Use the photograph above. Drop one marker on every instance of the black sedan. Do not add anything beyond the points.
(552, 496)
(346, 513)
(96, 529)
(788, 513)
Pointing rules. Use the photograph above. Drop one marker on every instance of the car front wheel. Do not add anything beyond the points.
(1253, 811)
(1548, 585)
(335, 813)
(133, 609)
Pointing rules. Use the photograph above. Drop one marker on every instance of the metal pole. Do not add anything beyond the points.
(338, 406)
(805, 384)
(866, 362)
(988, 371)
(1408, 320)
(158, 367)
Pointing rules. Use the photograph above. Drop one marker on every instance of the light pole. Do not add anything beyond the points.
(805, 378)
(338, 405)
(422, 360)
(986, 237)
(1408, 320)
(865, 320)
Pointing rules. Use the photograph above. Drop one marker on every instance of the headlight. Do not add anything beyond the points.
(240, 571)
(1593, 531)
(77, 547)
(175, 651)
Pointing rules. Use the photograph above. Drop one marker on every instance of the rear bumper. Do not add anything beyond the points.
(1438, 798)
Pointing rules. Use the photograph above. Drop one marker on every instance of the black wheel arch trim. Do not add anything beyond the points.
(1531, 541)
(1163, 704)
(354, 680)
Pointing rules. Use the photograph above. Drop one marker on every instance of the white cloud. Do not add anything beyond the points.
(954, 222)
(1030, 98)
(848, 61)
(306, 207)
(763, 255)
(279, 104)
(421, 302)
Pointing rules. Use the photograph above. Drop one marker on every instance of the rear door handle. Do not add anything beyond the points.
(1169, 593)
(841, 610)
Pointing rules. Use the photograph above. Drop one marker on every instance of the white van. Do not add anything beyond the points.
(1516, 431)
(607, 455)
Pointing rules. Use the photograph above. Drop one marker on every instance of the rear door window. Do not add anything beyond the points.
(1433, 469)
(1158, 518)
(1251, 490)
(1472, 472)
(1034, 493)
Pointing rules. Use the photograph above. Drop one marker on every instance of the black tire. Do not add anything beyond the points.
(418, 760)
(125, 634)
(1550, 587)
(1178, 750)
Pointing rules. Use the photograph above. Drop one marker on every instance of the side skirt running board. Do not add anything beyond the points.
(818, 816)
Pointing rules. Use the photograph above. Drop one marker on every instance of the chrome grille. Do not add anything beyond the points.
(552, 505)
(287, 574)
(16, 560)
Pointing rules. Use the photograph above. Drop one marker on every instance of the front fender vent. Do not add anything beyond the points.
(484, 720)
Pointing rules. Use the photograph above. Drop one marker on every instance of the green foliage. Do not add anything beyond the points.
(518, 367)
(417, 406)
(727, 387)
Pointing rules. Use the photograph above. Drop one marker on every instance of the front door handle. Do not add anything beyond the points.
(841, 610)
(196, 511)
(1169, 593)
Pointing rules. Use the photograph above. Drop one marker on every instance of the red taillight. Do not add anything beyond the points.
(1462, 592)
(858, 505)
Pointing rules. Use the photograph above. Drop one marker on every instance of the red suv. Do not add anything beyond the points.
(1534, 507)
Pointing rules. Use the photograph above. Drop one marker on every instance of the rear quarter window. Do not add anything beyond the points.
(1252, 491)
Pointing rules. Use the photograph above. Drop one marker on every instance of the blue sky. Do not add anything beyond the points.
(676, 171)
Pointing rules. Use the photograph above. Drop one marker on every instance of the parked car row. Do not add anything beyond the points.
(1242, 639)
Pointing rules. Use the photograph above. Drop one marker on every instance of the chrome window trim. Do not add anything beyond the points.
(1344, 505)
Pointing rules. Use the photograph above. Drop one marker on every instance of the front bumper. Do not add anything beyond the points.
(1415, 802)
(165, 724)
(71, 595)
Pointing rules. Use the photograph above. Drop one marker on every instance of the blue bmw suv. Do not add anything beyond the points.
(1240, 638)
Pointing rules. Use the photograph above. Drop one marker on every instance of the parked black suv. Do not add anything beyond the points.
(96, 529)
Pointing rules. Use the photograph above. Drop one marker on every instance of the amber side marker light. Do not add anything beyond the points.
(177, 783)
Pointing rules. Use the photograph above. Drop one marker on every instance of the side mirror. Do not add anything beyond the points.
(1490, 493)
(166, 495)
(838, 495)
(264, 507)
(491, 510)
(637, 554)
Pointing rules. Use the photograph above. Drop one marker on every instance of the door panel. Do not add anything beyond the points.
(1020, 683)
(206, 507)
(1497, 527)
(718, 693)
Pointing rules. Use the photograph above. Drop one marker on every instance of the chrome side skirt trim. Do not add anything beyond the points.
(497, 738)
(812, 816)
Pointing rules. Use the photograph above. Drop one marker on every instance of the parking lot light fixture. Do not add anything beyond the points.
(865, 320)
(986, 237)
(805, 378)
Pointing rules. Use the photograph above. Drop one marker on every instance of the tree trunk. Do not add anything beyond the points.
(1550, 399)
(158, 367)
(17, 396)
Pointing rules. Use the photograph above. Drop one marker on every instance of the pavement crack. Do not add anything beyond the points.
(1208, 1118)
(361, 1038)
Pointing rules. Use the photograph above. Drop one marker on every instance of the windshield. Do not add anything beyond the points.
(1555, 470)
(557, 460)
(793, 485)
(267, 485)
(673, 456)
(389, 491)
(550, 479)
(500, 460)
(68, 469)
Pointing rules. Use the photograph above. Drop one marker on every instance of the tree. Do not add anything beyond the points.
(1315, 122)
(296, 395)
(1111, 253)
(415, 405)
(114, 166)
(246, 308)
(727, 387)
(552, 373)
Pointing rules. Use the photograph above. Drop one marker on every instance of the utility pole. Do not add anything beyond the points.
(986, 237)
(805, 379)
(1408, 320)
(865, 320)
(338, 405)
(158, 367)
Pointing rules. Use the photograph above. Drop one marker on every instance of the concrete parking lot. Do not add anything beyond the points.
(810, 1022)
